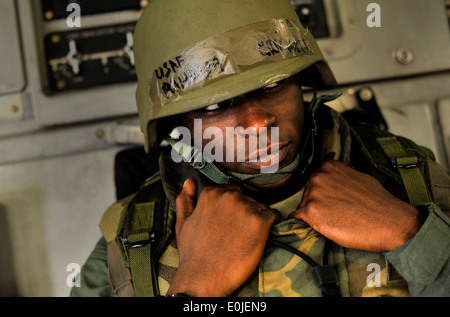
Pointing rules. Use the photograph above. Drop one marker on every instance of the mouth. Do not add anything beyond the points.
(274, 154)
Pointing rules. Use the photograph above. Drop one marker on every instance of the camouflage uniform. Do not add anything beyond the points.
(193, 54)
(420, 267)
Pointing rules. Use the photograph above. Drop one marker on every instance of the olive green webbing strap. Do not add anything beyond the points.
(139, 250)
(119, 274)
(409, 169)
(139, 263)
(194, 156)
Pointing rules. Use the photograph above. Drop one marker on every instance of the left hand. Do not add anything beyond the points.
(355, 211)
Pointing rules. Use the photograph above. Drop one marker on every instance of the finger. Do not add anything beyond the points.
(276, 216)
(185, 202)
(298, 214)
(269, 215)
(333, 156)
(305, 195)
(221, 188)
(234, 187)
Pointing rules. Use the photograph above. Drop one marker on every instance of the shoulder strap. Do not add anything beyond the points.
(119, 274)
(409, 168)
(111, 218)
(145, 229)
(396, 157)
(143, 232)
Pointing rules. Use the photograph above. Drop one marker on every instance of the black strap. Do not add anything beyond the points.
(324, 275)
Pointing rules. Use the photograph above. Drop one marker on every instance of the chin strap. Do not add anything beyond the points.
(268, 178)
(196, 159)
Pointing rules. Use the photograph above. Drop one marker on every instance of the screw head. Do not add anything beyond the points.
(49, 14)
(100, 133)
(403, 55)
(365, 94)
(15, 108)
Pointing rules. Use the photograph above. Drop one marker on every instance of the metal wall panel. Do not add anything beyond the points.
(12, 75)
(53, 207)
(361, 53)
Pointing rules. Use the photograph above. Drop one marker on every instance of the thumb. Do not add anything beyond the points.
(277, 216)
(299, 214)
(185, 201)
(300, 211)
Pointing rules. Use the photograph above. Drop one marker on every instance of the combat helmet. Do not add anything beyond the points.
(191, 54)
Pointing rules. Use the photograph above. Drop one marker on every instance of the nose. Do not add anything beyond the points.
(256, 114)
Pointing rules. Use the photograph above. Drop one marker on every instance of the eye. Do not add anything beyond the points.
(212, 107)
(273, 85)
(218, 106)
(270, 86)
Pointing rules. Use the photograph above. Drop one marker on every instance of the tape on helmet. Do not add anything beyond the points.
(261, 42)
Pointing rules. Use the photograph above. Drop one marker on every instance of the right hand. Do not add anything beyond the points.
(220, 240)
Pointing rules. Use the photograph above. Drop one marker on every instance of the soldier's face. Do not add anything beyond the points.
(277, 110)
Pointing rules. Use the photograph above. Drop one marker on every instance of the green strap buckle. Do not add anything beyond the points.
(139, 249)
(135, 240)
(407, 162)
(408, 167)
